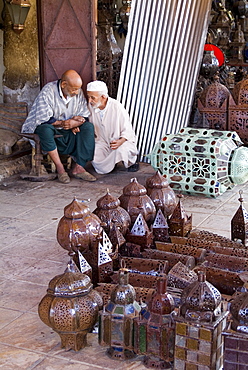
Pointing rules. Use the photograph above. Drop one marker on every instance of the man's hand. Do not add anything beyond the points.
(116, 143)
(75, 130)
(73, 122)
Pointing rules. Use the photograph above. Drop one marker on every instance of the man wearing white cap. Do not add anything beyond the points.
(114, 135)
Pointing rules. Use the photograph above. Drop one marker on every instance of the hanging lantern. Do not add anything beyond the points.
(117, 319)
(70, 307)
(18, 10)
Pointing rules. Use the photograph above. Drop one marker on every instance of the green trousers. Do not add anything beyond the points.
(80, 146)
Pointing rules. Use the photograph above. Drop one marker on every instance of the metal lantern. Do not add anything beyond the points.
(109, 211)
(78, 228)
(140, 233)
(210, 64)
(239, 223)
(199, 326)
(135, 201)
(117, 319)
(161, 193)
(155, 329)
(70, 307)
(236, 335)
(160, 228)
(237, 111)
(18, 10)
(180, 224)
(213, 103)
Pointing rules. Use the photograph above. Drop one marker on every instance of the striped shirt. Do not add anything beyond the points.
(49, 106)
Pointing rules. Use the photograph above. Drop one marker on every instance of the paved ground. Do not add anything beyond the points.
(31, 257)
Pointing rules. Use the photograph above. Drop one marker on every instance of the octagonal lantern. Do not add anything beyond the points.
(78, 228)
(70, 307)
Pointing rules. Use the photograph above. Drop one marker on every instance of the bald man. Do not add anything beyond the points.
(61, 109)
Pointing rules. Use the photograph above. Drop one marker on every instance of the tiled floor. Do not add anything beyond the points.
(31, 257)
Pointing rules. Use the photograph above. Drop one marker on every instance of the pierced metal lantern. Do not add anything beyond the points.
(109, 211)
(135, 201)
(180, 224)
(99, 256)
(140, 233)
(237, 111)
(239, 223)
(160, 228)
(155, 329)
(199, 326)
(236, 335)
(78, 228)
(161, 193)
(213, 103)
(117, 319)
(70, 307)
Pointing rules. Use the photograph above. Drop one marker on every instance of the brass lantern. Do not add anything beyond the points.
(70, 307)
(18, 10)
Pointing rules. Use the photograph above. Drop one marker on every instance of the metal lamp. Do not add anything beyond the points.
(18, 10)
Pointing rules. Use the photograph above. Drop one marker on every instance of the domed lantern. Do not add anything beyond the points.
(135, 201)
(70, 307)
(155, 329)
(109, 211)
(199, 327)
(78, 228)
(161, 193)
(116, 321)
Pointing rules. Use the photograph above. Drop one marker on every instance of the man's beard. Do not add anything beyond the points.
(97, 105)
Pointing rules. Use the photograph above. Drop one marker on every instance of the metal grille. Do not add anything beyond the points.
(161, 61)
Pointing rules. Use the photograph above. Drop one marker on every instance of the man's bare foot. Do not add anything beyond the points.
(80, 173)
(77, 169)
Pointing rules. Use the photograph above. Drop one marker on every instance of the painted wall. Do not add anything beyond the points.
(21, 81)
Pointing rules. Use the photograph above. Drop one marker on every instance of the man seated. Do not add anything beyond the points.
(114, 135)
(61, 109)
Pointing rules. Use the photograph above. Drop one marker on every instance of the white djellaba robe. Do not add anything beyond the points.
(114, 124)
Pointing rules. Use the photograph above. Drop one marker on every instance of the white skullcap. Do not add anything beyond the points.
(99, 86)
